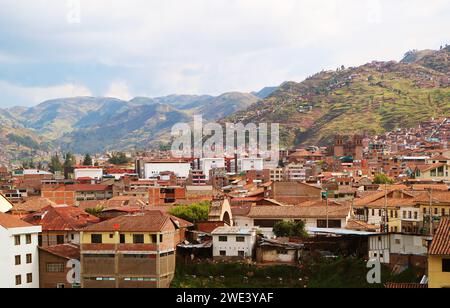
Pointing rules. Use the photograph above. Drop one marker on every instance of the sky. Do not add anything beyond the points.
(127, 48)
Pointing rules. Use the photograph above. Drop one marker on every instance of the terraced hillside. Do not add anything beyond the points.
(372, 98)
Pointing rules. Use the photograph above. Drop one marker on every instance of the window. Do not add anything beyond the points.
(40, 240)
(446, 265)
(111, 236)
(18, 260)
(29, 278)
(161, 238)
(240, 239)
(223, 238)
(122, 239)
(55, 268)
(416, 215)
(29, 258)
(60, 239)
(154, 238)
(138, 239)
(223, 253)
(241, 254)
(60, 286)
(96, 239)
(28, 239)
(17, 240)
(18, 280)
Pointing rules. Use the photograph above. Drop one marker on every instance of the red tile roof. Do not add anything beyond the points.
(11, 222)
(67, 251)
(441, 241)
(298, 212)
(406, 286)
(148, 221)
(61, 218)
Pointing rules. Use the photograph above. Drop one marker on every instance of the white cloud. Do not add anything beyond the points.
(28, 96)
(120, 90)
(159, 47)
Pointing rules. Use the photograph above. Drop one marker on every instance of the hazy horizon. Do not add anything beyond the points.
(126, 49)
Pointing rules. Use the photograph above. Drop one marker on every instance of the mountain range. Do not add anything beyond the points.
(90, 124)
(372, 98)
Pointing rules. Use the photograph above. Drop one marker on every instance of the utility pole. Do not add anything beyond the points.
(386, 225)
(431, 211)
(328, 221)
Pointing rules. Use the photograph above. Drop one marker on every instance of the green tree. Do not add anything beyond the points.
(193, 213)
(69, 160)
(119, 159)
(55, 164)
(95, 211)
(87, 160)
(382, 178)
(290, 229)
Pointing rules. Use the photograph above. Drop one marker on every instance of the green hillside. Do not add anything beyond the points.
(372, 98)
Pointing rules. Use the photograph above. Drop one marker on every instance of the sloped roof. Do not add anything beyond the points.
(11, 222)
(441, 241)
(61, 218)
(148, 221)
(67, 251)
(295, 212)
(33, 205)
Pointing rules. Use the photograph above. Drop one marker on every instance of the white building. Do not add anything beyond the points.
(5, 205)
(234, 242)
(19, 259)
(207, 164)
(93, 173)
(180, 168)
(383, 246)
(248, 164)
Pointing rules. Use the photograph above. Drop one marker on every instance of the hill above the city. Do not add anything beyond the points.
(372, 98)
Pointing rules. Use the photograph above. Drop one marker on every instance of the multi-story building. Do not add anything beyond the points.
(181, 168)
(88, 173)
(60, 224)
(233, 243)
(19, 261)
(439, 257)
(277, 175)
(131, 251)
(208, 164)
(58, 266)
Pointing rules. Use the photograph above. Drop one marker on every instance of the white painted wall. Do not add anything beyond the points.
(8, 251)
(232, 247)
(247, 164)
(89, 173)
(207, 164)
(5, 205)
(152, 170)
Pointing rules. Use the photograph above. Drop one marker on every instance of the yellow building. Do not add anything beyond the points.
(439, 257)
(438, 172)
(131, 251)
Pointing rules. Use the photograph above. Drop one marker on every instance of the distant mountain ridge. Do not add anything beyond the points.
(372, 98)
(91, 124)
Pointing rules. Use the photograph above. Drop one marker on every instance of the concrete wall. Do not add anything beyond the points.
(9, 250)
(181, 170)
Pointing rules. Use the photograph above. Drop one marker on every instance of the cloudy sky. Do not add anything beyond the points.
(128, 48)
